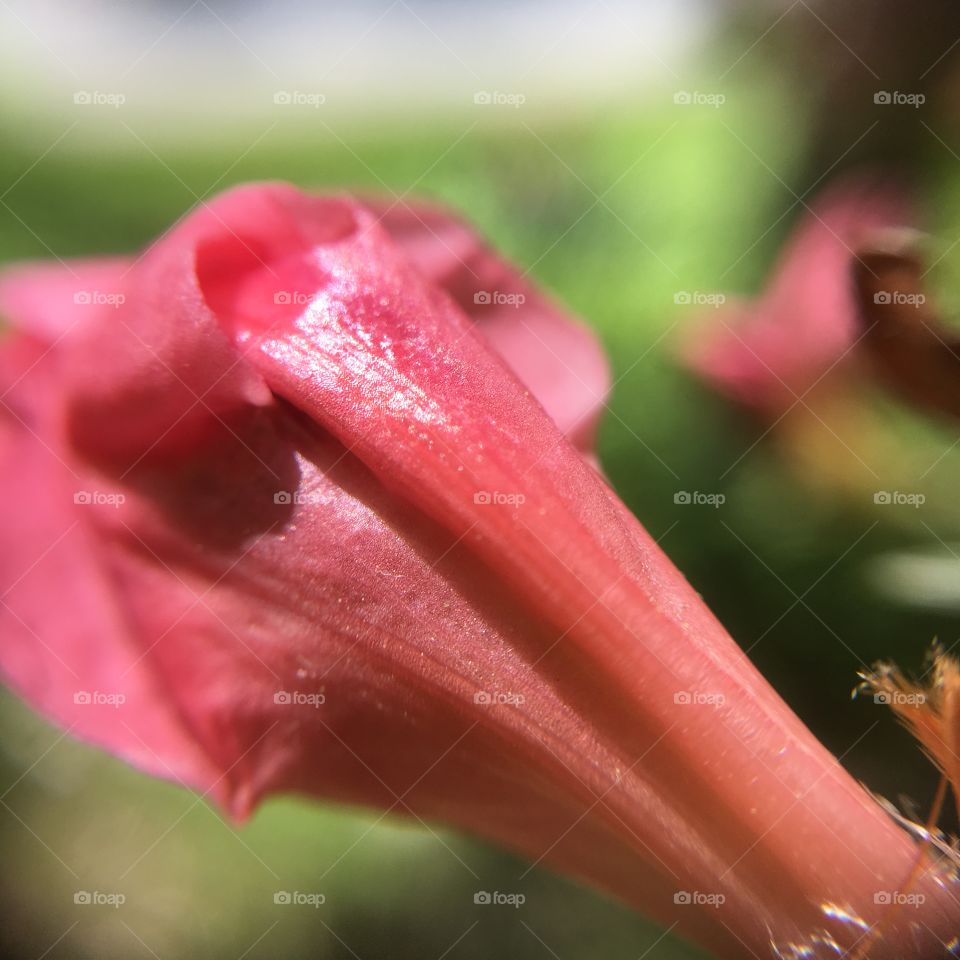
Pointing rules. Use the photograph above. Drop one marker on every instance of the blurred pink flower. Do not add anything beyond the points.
(771, 352)
(291, 504)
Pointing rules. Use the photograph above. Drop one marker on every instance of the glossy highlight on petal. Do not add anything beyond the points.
(557, 359)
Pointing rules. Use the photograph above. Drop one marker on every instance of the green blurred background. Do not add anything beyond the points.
(618, 199)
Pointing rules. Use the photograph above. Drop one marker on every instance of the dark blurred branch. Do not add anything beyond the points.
(844, 55)
(910, 349)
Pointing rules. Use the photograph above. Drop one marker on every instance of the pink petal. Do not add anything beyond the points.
(344, 519)
(769, 352)
(557, 358)
(50, 299)
(65, 634)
